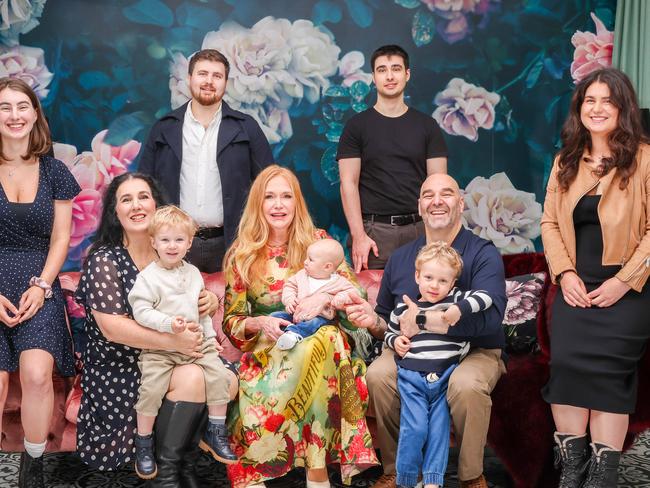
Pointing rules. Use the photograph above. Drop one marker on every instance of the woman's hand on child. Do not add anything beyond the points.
(30, 303)
(178, 325)
(402, 345)
(208, 303)
(311, 306)
(5, 308)
(271, 326)
(190, 341)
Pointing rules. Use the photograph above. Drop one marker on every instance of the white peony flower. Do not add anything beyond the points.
(178, 86)
(272, 119)
(18, 17)
(314, 57)
(28, 64)
(495, 210)
(463, 108)
(266, 448)
(350, 69)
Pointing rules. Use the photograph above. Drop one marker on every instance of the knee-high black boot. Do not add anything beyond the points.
(31, 472)
(193, 453)
(174, 428)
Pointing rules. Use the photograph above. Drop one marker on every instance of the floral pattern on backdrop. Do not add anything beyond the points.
(496, 75)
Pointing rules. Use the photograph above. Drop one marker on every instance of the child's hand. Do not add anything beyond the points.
(451, 315)
(402, 345)
(291, 306)
(178, 325)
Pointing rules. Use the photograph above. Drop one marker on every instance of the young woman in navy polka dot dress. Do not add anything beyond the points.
(106, 424)
(35, 219)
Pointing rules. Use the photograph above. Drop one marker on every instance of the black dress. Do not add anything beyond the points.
(595, 351)
(25, 230)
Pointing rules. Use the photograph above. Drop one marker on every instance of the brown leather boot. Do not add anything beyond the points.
(386, 481)
(479, 482)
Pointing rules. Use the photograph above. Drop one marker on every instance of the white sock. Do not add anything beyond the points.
(318, 484)
(34, 450)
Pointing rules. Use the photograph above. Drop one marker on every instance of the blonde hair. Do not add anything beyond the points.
(248, 251)
(172, 216)
(442, 252)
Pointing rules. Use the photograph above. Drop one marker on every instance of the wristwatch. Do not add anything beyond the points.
(421, 319)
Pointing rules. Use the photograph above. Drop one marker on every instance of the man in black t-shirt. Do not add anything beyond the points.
(384, 155)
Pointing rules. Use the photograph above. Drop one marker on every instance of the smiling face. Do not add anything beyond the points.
(440, 203)
(17, 115)
(279, 206)
(208, 82)
(597, 113)
(390, 76)
(171, 242)
(435, 279)
(134, 205)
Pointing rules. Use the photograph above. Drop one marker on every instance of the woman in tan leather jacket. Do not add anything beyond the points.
(596, 235)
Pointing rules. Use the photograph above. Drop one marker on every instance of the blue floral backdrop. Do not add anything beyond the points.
(496, 74)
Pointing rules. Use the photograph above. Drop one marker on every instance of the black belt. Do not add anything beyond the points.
(209, 232)
(405, 219)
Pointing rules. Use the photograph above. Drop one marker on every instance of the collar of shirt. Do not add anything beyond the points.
(189, 116)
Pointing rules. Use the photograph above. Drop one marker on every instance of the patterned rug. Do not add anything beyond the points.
(65, 470)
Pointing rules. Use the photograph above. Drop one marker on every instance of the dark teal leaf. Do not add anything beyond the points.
(326, 11)
(337, 91)
(360, 12)
(549, 113)
(124, 128)
(554, 68)
(329, 166)
(408, 3)
(152, 12)
(423, 28)
(91, 80)
(533, 74)
(198, 17)
(606, 15)
(119, 101)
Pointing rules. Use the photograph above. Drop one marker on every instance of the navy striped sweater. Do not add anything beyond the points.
(431, 352)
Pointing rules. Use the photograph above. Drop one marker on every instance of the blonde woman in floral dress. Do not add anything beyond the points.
(302, 407)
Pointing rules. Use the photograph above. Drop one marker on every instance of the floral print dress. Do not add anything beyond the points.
(302, 407)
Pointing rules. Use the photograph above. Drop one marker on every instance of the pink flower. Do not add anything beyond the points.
(350, 68)
(593, 51)
(463, 108)
(113, 160)
(444, 7)
(86, 212)
(455, 29)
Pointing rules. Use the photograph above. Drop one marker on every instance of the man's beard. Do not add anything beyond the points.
(206, 99)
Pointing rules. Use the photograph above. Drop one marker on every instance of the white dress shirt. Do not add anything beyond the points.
(201, 192)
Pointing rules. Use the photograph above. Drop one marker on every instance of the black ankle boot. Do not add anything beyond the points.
(31, 472)
(145, 461)
(173, 432)
(603, 467)
(190, 460)
(215, 441)
(572, 455)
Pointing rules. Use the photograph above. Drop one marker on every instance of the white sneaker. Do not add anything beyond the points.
(288, 340)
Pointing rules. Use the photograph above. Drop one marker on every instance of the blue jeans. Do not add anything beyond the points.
(423, 443)
(303, 329)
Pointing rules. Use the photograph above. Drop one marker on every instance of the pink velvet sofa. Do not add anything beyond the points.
(521, 425)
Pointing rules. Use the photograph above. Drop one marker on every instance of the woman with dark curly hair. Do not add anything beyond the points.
(596, 234)
(106, 424)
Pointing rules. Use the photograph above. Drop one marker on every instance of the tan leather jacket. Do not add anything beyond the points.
(624, 218)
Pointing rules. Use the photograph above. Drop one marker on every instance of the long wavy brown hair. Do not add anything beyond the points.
(623, 141)
(248, 252)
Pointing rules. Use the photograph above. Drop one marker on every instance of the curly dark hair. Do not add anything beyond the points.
(110, 232)
(623, 141)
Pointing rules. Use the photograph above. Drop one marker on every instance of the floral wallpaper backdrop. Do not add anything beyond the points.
(496, 75)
